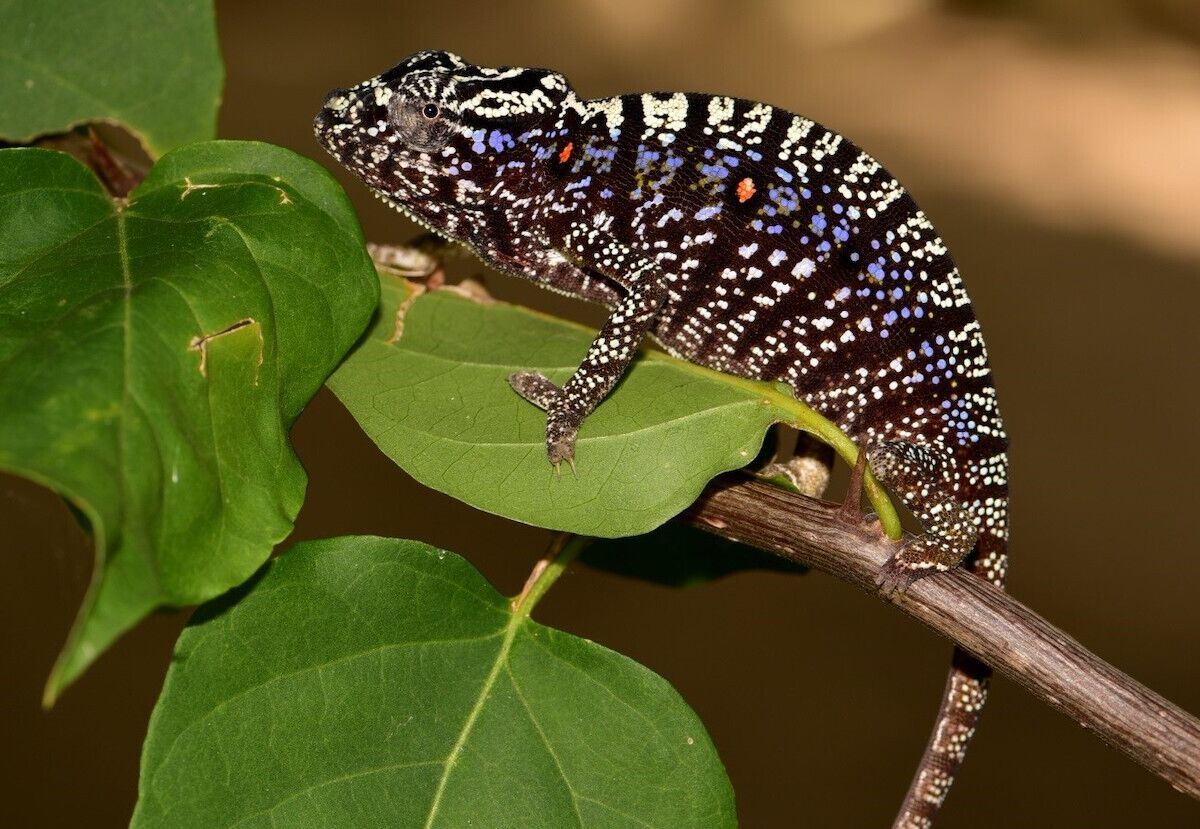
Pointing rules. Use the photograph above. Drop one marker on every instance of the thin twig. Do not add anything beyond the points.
(964, 608)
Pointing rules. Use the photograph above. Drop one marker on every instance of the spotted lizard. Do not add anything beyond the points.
(740, 237)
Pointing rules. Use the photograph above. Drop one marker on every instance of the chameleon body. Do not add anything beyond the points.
(741, 237)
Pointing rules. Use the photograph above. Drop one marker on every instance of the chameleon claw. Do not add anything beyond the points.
(558, 467)
(894, 578)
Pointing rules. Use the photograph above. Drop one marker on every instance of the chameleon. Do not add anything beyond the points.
(740, 237)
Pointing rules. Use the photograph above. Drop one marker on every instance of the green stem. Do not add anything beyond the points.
(563, 550)
(807, 420)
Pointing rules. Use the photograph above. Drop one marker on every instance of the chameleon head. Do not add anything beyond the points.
(427, 135)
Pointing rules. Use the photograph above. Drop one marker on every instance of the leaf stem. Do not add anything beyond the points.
(563, 550)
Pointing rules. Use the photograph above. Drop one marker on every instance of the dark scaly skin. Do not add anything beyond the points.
(741, 237)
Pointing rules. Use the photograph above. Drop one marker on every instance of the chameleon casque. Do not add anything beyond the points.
(741, 237)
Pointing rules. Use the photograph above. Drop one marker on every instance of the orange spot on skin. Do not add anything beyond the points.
(566, 153)
(745, 189)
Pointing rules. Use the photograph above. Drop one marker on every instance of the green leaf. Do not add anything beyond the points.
(153, 355)
(677, 555)
(151, 66)
(379, 682)
(436, 400)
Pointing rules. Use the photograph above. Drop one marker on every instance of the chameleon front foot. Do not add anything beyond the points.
(561, 428)
(560, 443)
(534, 387)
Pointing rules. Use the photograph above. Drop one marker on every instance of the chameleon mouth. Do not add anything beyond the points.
(411, 214)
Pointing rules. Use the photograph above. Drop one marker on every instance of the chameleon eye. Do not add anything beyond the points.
(431, 111)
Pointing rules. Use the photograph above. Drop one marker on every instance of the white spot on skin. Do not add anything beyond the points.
(669, 114)
(804, 268)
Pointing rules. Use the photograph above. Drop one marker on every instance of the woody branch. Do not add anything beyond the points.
(989, 623)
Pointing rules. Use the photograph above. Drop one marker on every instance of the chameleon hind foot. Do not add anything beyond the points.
(915, 559)
(561, 428)
(919, 475)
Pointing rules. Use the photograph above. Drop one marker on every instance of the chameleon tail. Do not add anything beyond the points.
(962, 703)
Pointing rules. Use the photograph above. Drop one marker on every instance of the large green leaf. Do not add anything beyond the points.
(149, 65)
(154, 353)
(378, 682)
(436, 400)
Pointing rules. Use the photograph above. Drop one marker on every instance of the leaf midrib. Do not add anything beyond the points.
(510, 633)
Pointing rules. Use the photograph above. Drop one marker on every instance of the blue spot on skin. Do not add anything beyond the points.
(840, 234)
(708, 153)
(714, 171)
(918, 312)
(854, 257)
(817, 223)
(927, 349)
(875, 270)
(674, 162)
(785, 197)
(754, 155)
(478, 147)
(708, 212)
(606, 193)
(730, 160)
(783, 174)
(646, 157)
(757, 224)
(896, 292)
(889, 318)
(825, 188)
(466, 165)
(837, 208)
(496, 140)
(775, 229)
(806, 193)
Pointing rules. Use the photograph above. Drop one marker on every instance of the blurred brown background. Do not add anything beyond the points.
(1057, 147)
